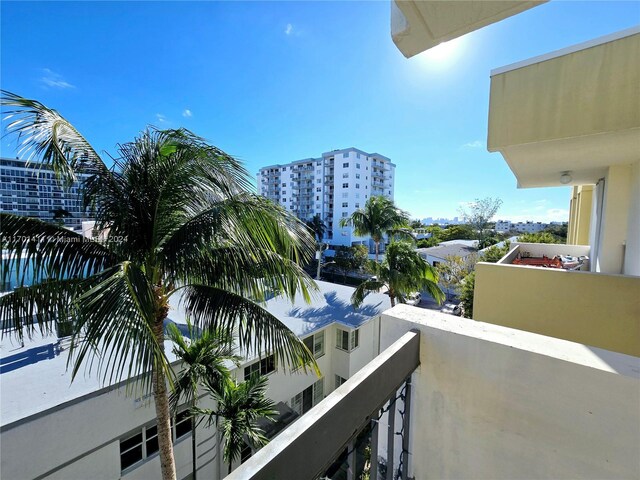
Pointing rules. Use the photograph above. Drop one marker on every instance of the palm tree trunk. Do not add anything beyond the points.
(193, 441)
(377, 245)
(161, 400)
(393, 300)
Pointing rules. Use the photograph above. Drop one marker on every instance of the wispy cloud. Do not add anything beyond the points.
(52, 79)
(187, 113)
(161, 118)
(289, 29)
(474, 144)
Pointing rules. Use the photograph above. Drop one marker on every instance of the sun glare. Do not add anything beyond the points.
(444, 55)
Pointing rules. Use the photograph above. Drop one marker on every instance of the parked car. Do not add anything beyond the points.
(413, 298)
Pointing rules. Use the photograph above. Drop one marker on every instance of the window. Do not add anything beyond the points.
(245, 453)
(284, 184)
(144, 442)
(345, 194)
(357, 185)
(284, 169)
(317, 197)
(345, 185)
(357, 175)
(345, 175)
(318, 189)
(344, 214)
(346, 340)
(131, 450)
(340, 380)
(357, 165)
(357, 205)
(345, 204)
(262, 367)
(183, 424)
(357, 155)
(284, 199)
(315, 344)
(310, 396)
(345, 155)
(319, 180)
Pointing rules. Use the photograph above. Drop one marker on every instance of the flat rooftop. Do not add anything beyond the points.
(34, 377)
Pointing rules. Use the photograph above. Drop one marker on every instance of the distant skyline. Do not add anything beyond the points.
(277, 82)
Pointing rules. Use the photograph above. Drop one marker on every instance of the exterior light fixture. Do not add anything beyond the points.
(565, 178)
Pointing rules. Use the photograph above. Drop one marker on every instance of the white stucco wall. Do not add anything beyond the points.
(493, 402)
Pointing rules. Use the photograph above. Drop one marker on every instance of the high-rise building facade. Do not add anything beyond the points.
(332, 186)
(31, 189)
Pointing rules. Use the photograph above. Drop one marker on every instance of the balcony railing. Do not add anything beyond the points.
(313, 443)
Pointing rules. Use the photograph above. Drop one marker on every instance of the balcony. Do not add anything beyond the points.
(455, 398)
(571, 303)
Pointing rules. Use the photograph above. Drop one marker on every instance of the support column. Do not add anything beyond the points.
(391, 436)
(373, 470)
(351, 461)
(405, 430)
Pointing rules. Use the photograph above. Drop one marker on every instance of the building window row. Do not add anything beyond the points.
(263, 367)
(143, 443)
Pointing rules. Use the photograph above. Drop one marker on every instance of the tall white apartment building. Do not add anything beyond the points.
(32, 189)
(332, 186)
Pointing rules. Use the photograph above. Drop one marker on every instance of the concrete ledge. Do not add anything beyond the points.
(308, 446)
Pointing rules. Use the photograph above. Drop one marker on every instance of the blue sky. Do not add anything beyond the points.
(275, 82)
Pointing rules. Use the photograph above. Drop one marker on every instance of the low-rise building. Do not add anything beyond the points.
(109, 433)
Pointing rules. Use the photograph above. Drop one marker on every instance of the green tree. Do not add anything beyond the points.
(466, 294)
(348, 259)
(240, 406)
(479, 213)
(453, 270)
(540, 237)
(559, 231)
(415, 224)
(182, 224)
(204, 357)
(401, 272)
(466, 288)
(378, 217)
(494, 253)
(456, 232)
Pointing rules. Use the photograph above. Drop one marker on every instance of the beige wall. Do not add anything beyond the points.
(494, 403)
(590, 308)
(587, 92)
(580, 215)
(615, 215)
(632, 249)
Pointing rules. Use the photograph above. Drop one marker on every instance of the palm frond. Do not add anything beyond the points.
(258, 331)
(44, 133)
(42, 251)
(38, 307)
(115, 328)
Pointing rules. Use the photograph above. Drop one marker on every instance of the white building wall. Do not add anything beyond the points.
(330, 198)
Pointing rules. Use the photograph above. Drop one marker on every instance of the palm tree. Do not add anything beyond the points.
(204, 360)
(401, 272)
(317, 227)
(179, 224)
(378, 217)
(240, 406)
